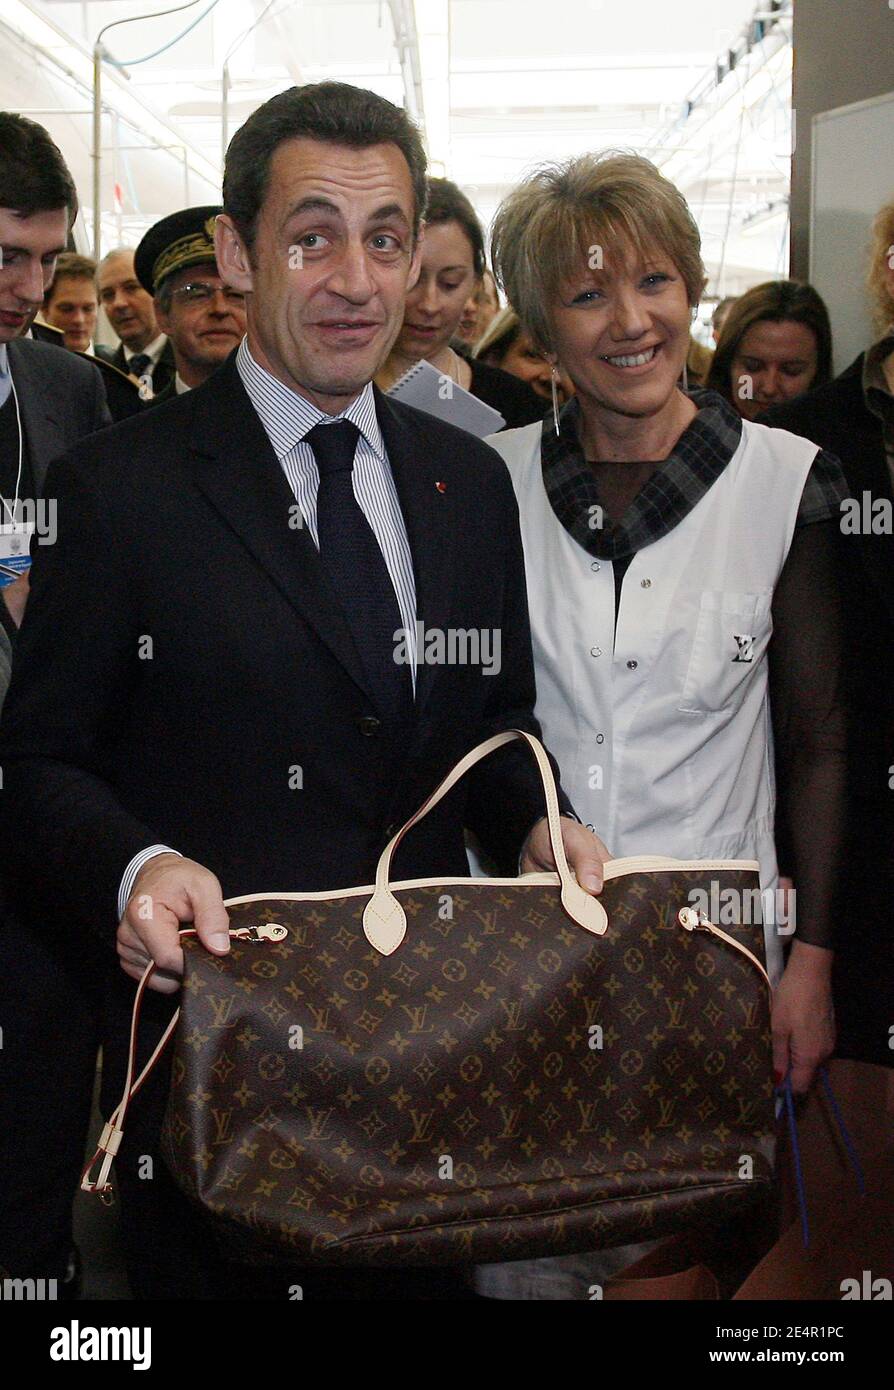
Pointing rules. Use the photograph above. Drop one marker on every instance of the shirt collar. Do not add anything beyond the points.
(698, 458)
(153, 349)
(5, 375)
(287, 417)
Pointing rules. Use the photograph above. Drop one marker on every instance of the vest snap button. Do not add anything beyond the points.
(595, 567)
(595, 651)
(632, 665)
(600, 738)
(645, 583)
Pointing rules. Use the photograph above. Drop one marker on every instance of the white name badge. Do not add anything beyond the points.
(15, 548)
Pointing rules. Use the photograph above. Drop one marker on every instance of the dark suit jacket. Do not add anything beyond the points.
(162, 373)
(835, 416)
(167, 393)
(61, 397)
(46, 333)
(122, 394)
(182, 655)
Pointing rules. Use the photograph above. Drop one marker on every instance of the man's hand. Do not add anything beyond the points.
(584, 851)
(15, 596)
(169, 891)
(803, 1019)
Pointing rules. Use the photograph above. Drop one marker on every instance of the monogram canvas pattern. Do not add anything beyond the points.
(504, 1085)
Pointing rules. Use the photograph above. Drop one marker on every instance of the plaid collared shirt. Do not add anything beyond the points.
(699, 457)
(878, 395)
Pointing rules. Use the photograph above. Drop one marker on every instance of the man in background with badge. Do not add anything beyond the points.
(47, 402)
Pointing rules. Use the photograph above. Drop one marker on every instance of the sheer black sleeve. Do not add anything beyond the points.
(808, 709)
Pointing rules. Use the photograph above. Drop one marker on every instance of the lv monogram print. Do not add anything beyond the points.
(504, 1085)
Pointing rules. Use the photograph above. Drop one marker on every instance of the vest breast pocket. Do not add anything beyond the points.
(730, 638)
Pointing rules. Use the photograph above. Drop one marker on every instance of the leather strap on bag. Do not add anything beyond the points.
(113, 1131)
(384, 920)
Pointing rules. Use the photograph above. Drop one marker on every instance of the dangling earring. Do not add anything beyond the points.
(553, 382)
(693, 313)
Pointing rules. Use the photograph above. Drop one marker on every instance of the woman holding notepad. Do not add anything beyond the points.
(452, 266)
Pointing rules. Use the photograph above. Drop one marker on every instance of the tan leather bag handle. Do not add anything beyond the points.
(384, 920)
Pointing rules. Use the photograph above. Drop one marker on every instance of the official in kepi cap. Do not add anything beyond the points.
(203, 317)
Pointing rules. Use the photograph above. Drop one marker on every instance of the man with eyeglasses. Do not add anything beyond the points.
(203, 318)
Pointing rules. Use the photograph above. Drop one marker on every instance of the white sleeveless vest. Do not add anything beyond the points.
(661, 729)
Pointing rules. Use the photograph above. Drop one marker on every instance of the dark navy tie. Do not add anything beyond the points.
(355, 566)
(139, 364)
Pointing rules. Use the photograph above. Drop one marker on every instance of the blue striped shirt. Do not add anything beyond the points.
(287, 418)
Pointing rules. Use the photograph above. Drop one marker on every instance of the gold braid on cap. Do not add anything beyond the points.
(187, 250)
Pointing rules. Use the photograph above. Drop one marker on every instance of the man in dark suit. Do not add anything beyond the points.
(256, 553)
(49, 399)
(853, 417)
(144, 351)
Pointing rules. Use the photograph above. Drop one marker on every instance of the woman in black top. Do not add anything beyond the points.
(452, 263)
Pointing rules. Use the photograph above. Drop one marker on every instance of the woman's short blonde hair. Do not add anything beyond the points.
(498, 337)
(555, 220)
(878, 281)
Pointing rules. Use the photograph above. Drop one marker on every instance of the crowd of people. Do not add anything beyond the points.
(656, 533)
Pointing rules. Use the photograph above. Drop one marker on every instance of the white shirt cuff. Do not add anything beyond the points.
(133, 868)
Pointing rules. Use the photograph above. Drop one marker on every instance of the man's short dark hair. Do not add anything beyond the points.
(333, 111)
(33, 175)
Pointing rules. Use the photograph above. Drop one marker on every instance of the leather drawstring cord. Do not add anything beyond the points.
(113, 1130)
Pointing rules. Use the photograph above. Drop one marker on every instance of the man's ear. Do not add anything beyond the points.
(161, 318)
(233, 262)
(416, 261)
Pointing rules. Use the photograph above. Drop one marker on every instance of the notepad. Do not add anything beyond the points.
(428, 389)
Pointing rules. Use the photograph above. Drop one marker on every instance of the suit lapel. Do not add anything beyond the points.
(428, 493)
(236, 469)
(42, 425)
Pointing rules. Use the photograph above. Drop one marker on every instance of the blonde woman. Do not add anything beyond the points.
(507, 345)
(681, 568)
